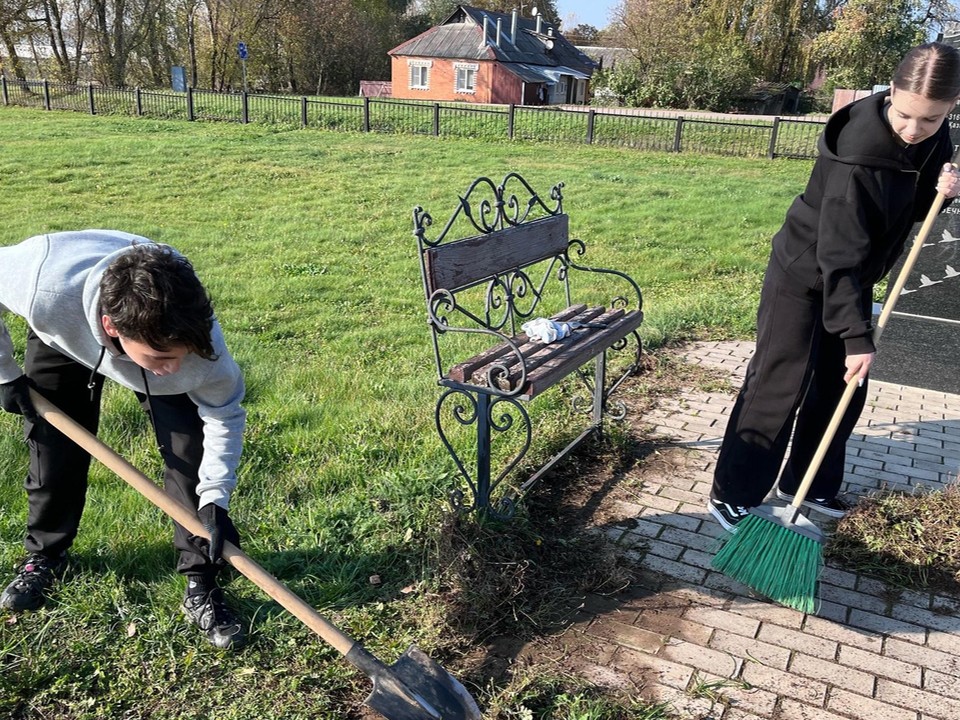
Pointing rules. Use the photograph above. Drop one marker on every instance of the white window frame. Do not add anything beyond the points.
(470, 71)
(418, 74)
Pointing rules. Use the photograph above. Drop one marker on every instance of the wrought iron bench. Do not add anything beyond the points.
(521, 265)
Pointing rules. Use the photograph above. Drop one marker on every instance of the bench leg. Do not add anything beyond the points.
(483, 453)
(599, 381)
(486, 412)
(599, 404)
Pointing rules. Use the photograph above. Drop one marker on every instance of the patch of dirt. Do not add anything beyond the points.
(514, 587)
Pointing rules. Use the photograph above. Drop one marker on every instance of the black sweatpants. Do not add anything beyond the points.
(794, 382)
(56, 483)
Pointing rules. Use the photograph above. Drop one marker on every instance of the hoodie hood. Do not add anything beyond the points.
(859, 134)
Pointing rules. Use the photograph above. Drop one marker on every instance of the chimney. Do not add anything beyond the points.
(483, 42)
(549, 32)
(513, 27)
(539, 24)
(499, 24)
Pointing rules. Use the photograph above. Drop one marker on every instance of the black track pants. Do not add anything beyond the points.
(793, 383)
(56, 484)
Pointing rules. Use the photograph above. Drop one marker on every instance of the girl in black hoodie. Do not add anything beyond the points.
(881, 162)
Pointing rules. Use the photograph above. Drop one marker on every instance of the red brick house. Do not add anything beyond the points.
(481, 56)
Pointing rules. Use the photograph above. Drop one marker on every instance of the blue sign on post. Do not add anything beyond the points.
(242, 50)
(178, 77)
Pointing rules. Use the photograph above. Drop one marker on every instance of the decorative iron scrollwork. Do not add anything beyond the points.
(613, 409)
(491, 420)
(489, 207)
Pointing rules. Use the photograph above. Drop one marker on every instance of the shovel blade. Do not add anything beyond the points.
(417, 688)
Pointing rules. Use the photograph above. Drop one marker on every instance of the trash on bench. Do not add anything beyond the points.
(545, 331)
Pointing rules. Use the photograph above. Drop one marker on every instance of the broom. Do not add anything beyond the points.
(776, 550)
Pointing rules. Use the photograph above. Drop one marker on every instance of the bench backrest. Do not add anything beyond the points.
(463, 263)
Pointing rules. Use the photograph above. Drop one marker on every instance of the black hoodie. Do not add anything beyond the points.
(848, 228)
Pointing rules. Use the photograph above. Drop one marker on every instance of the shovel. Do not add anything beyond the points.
(413, 688)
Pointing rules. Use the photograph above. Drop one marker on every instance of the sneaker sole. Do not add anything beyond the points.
(720, 518)
(837, 514)
(10, 603)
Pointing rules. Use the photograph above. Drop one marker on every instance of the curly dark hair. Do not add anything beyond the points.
(152, 295)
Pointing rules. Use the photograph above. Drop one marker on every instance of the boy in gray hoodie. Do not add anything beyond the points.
(102, 303)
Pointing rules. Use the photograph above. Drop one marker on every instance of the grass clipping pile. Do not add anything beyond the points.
(526, 576)
(909, 541)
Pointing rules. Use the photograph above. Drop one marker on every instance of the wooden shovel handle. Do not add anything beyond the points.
(188, 519)
(851, 388)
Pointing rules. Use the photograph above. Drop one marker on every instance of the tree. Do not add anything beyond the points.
(583, 34)
(119, 30)
(14, 20)
(867, 40)
(777, 34)
(652, 29)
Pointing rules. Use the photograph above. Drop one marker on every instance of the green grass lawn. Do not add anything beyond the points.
(304, 239)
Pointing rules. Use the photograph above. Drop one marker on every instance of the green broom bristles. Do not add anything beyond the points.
(779, 562)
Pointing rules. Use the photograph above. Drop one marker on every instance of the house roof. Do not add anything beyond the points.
(607, 57)
(461, 36)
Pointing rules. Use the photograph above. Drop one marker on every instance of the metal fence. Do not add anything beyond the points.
(614, 127)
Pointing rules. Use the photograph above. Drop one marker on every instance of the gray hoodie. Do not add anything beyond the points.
(53, 282)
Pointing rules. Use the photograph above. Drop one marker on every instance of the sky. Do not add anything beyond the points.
(588, 12)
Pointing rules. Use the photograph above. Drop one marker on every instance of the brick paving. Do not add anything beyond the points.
(712, 648)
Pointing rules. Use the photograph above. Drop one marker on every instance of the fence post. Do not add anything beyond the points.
(245, 108)
(772, 150)
(366, 114)
(93, 109)
(138, 98)
(46, 94)
(190, 115)
(511, 115)
(436, 119)
(678, 135)
(304, 121)
(591, 121)
(3, 87)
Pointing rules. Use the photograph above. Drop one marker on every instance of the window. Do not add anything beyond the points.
(419, 74)
(466, 77)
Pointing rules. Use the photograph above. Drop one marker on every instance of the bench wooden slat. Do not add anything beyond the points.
(546, 364)
(465, 262)
(558, 368)
(461, 372)
(536, 354)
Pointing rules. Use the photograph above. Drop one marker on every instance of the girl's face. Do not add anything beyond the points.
(914, 117)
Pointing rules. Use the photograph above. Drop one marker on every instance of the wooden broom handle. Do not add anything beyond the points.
(188, 519)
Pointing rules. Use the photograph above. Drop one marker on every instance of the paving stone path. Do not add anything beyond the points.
(690, 636)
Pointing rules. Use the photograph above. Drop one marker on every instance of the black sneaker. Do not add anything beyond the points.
(209, 612)
(36, 574)
(726, 515)
(831, 507)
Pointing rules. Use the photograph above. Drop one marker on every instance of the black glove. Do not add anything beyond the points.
(15, 398)
(214, 519)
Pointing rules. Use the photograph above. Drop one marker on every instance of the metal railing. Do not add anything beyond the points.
(614, 127)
